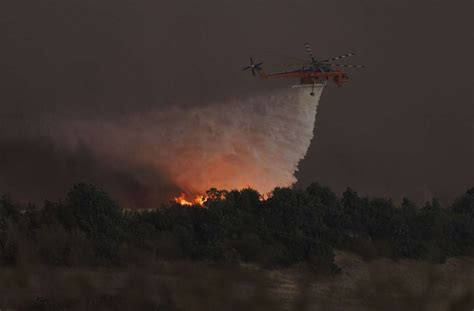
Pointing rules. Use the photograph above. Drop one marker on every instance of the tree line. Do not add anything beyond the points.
(290, 227)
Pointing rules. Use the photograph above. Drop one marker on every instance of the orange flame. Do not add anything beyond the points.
(197, 200)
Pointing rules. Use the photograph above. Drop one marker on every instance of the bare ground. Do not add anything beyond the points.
(377, 285)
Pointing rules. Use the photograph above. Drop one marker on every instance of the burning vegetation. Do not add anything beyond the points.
(185, 200)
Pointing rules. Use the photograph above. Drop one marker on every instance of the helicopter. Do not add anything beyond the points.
(311, 73)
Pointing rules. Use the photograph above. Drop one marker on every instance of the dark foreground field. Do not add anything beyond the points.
(295, 250)
(377, 285)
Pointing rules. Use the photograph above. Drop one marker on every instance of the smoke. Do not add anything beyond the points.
(146, 158)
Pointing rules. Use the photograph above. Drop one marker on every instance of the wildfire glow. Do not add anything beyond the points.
(197, 200)
(255, 142)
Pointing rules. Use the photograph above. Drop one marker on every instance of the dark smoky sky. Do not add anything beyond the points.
(404, 125)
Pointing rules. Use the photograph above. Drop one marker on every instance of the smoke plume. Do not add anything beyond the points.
(147, 158)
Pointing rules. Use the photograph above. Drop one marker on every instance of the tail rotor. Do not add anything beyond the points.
(253, 66)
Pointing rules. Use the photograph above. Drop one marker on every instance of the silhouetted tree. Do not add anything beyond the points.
(291, 226)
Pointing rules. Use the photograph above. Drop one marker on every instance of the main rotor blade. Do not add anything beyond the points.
(310, 53)
(339, 57)
(348, 66)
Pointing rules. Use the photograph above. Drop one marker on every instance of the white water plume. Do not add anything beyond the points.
(257, 142)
